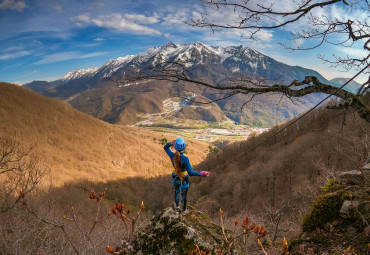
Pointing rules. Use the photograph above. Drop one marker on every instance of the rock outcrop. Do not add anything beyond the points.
(170, 232)
(338, 219)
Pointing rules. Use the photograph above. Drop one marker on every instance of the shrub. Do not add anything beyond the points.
(163, 141)
(330, 186)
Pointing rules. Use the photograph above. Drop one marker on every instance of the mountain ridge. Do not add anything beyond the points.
(229, 57)
(102, 93)
(174, 52)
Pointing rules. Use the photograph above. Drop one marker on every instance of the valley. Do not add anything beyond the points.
(167, 123)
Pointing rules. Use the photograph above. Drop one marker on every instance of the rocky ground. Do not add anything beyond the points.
(339, 220)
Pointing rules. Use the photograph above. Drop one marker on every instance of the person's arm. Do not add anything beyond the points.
(168, 150)
(191, 172)
(189, 168)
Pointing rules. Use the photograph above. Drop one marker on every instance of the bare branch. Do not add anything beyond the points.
(253, 17)
(20, 170)
(176, 72)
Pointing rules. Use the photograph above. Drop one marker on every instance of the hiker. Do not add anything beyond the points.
(182, 171)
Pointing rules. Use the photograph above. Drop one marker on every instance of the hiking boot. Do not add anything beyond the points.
(176, 209)
(186, 212)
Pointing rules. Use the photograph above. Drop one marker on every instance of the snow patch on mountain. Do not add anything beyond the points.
(113, 65)
(224, 53)
(79, 73)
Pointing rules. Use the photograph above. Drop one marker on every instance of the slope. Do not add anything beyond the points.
(284, 173)
(76, 146)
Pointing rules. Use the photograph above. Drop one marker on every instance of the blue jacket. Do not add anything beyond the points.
(184, 161)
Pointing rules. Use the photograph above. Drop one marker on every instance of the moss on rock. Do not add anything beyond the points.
(325, 208)
(338, 219)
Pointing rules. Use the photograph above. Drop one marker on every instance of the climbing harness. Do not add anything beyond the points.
(184, 175)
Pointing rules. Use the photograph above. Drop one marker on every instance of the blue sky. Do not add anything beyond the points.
(46, 39)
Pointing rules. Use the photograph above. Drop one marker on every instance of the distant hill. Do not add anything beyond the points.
(94, 91)
(77, 146)
(353, 86)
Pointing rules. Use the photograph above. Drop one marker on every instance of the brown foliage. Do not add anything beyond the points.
(287, 169)
(77, 146)
(40, 228)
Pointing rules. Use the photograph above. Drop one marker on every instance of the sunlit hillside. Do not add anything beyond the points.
(76, 146)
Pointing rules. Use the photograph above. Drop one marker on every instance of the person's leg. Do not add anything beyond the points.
(176, 185)
(183, 198)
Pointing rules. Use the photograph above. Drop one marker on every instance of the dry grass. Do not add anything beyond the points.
(77, 146)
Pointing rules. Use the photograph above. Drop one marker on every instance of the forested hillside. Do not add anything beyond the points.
(74, 145)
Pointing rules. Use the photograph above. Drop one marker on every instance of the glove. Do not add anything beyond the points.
(204, 173)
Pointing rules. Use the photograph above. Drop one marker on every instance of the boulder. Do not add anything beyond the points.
(366, 171)
(348, 209)
(353, 177)
(174, 233)
(366, 167)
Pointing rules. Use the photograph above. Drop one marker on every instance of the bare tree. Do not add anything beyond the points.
(320, 27)
(254, 17)
(20, 172)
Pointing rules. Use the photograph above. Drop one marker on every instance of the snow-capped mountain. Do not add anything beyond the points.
(92, 90)
(80, 73)
(201, 57)
(112, 66)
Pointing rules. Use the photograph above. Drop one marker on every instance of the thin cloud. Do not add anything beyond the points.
(177, 18)
(70, 55)
(82, 18)
(298, 42)
(142, 19)
(99, 39)
(14, 55)
(12, 5)
(14, 48)
(37, 42)
(129, 23)
(353, 52)
(58, 8)
(237, 36)
(264, 35)
(116, 22)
